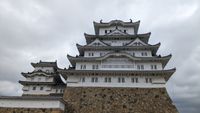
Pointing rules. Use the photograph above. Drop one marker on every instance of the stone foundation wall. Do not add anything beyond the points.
(29, 110)
(118, 100)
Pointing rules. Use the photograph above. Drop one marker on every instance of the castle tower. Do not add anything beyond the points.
(42, 92)
(117, 71)
(43, 81)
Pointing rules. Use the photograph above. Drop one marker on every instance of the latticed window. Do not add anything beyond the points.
(95, 66)
(34, 88)
(121, 79)
(83, 79)
(90, 54)
(153, 66)
(41, 88)
(83, 66)
(148, 80)
(144, 53)
(94, 79)
(108, 79)
(105, 31)
(134, 80)
(140, 67)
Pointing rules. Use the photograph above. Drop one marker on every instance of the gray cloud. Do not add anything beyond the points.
(48, 30)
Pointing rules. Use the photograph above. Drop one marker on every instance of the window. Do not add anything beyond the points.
(83, 79)
(83, 66)
(105, 31)
(94, 79)
(95, 66)
(144, 53)
(34, 88)
(108, 79)
(121, 79)
(90, 54)
(153, 67)
(134, 80)
(138, 44)
(140, 67)
(41, 88)
(148, 80)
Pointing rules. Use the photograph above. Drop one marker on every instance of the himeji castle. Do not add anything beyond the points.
(117, 71)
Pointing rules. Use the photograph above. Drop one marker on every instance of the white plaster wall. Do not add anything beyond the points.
(96, 53)
(88, 65)
(136, 53)
(47, 89)
(116, 42)
(14, 103)
(45, 69)
(126, 65)
(139, 53)
(129, 30)
(114, 82)
(40, 79)
(147, 65)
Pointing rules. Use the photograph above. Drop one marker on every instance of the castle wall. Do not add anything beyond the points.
(30, 110)
(31, 103)
(118, 100)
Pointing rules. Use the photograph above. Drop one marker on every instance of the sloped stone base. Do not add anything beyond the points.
(118, 100)
(29, 110)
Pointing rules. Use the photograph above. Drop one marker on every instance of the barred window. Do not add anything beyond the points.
(121, 79)
(94, 79)
(108, 79)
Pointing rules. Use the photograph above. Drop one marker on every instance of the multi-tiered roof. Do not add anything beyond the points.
(45, 74)
(134, 42)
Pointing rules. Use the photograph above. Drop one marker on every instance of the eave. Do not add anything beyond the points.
(166, 73)
(36, 83)
(153, 48)
(164, 60)
(144, 37)
(97, 25)
(45, 64)
(38, 73)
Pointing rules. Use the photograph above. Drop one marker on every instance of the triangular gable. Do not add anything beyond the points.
(97, 42)
(116, 32)
(137, 42)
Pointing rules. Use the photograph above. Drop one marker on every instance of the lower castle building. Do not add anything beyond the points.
(117, 71)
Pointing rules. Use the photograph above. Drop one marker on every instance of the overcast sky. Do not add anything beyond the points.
(33, 30)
